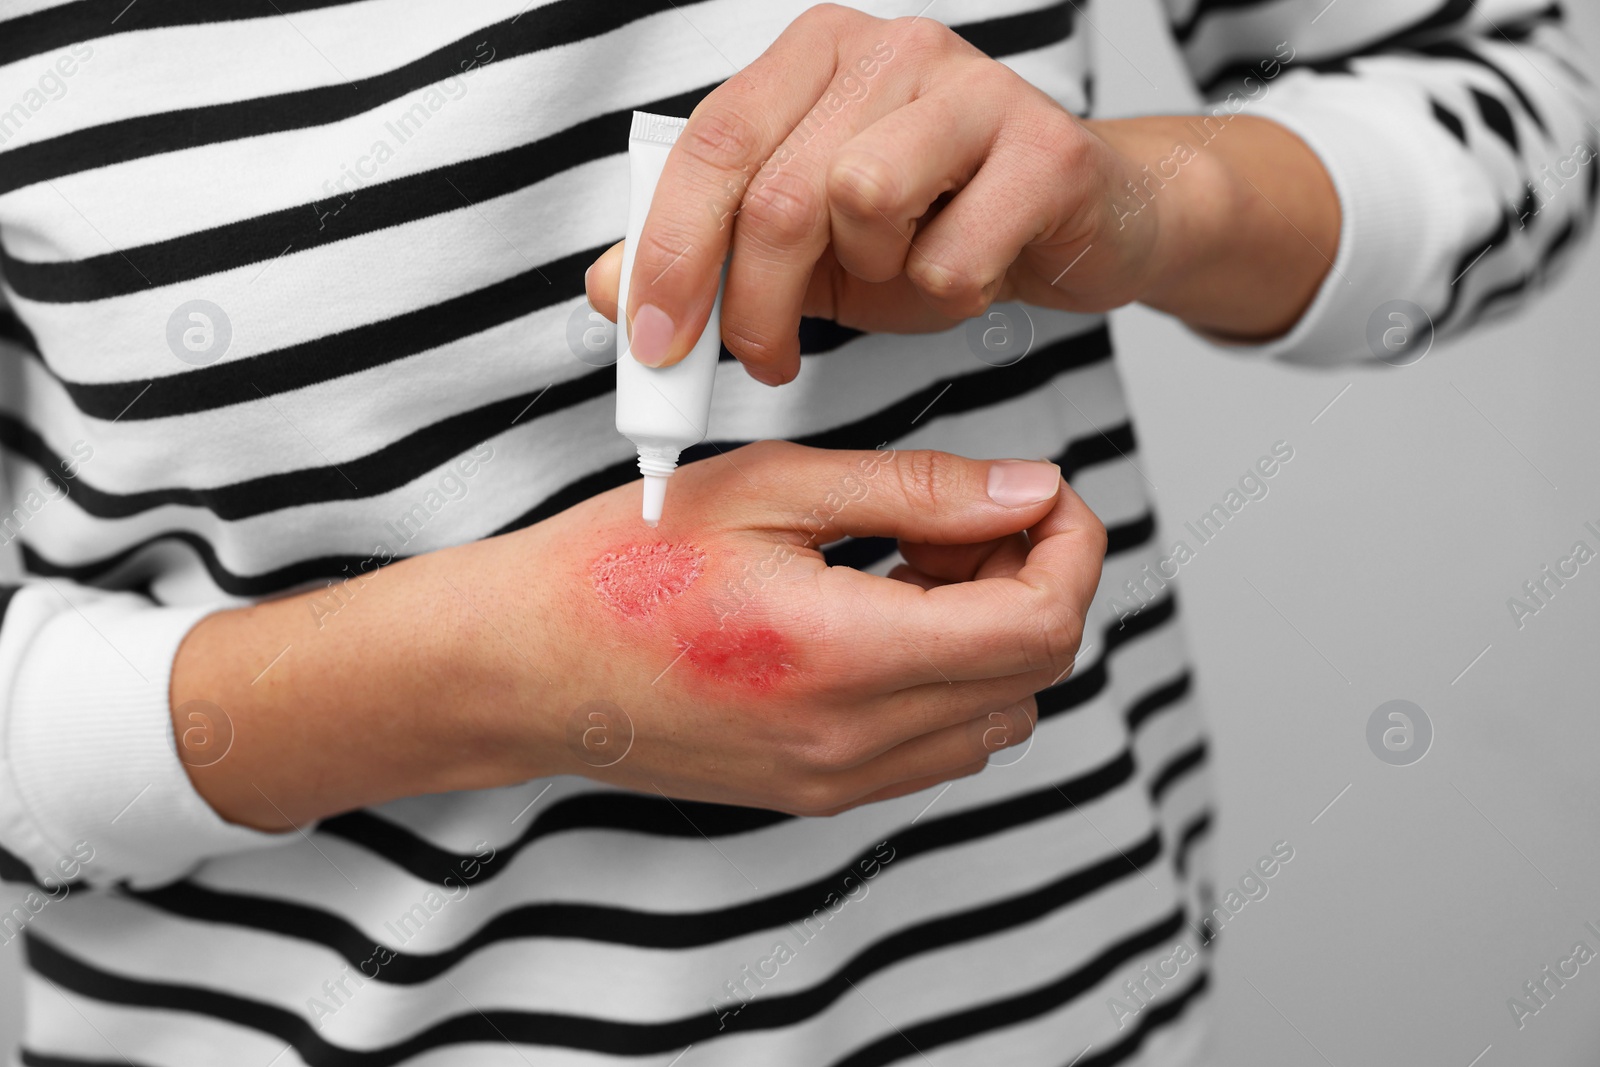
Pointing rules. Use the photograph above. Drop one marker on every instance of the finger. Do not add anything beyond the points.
(964, 563)
(910, 575)
(601, 279)
(820, 495)
(916, 785)
(994, 627)
(926, 709)
(1068, 549)
(894, 306)
(729, 137)
(784, 224)
(782, 229)
(1005, 563)
(886, 178)
(1017, 197)
(940, 753)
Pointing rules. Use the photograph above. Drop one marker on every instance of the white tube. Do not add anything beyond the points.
(662, 410)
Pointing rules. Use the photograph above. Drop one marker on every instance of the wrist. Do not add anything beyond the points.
(1246, 220)
(1184, 195)
(483, 661)
(380, 686)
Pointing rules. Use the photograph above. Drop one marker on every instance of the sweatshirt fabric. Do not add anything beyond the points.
(290, 287)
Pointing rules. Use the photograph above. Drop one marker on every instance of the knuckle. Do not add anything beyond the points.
(921, 36)
(753, 342)
(924, 477)
(1059, 154)
(1095, 537)
(1055, 137)
(863, 187)
(1057, 633)
(1060, 137)
(955, 290)
(662, 248)
(829, 14)
(1025, 717)
(1006, 728)
(720, 136)
(780, 209)
(813, 795)
(970, 769)
(825, 751)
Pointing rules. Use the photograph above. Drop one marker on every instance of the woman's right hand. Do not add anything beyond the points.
(715, 658)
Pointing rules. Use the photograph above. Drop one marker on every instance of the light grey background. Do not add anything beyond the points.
(1377, 568)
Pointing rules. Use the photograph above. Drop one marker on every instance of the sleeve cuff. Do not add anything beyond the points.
(1406, 195)
(89, 740)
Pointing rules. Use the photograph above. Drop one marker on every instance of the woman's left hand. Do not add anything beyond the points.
(890, 177)
(883, 174)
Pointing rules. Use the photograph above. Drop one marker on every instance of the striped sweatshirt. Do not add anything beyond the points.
(290, 286)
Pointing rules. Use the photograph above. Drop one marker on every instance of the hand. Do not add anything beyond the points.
(719, 658)
(714, 658)
(890, 177)
(848, 214)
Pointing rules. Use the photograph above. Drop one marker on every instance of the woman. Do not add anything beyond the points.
(351, 715)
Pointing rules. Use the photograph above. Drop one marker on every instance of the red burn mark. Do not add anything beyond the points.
(757, 658)
(641, 578)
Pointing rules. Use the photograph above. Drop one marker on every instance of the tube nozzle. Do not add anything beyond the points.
(656, 463)
(655, 496)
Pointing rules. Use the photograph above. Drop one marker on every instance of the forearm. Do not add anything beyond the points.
(390, 684)
(1247, 221)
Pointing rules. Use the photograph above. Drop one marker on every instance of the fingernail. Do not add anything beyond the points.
(1017, 483)
(651, 335)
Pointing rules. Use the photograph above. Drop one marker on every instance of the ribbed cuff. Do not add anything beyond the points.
(90, 745)
(1408, 195)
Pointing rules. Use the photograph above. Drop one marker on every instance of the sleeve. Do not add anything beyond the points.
(92, 787)
(1460, 137)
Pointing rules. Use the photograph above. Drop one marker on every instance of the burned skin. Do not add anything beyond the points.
(642, 584)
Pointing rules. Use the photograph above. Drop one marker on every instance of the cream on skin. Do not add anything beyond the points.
(662, 410)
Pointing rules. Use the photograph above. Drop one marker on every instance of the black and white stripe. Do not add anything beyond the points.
(379, 336)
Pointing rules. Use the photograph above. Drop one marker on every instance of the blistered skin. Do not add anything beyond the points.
(641, 579)
(758, 658)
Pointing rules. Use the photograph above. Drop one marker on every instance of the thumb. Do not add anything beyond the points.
(913, 494)
(600, 281)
